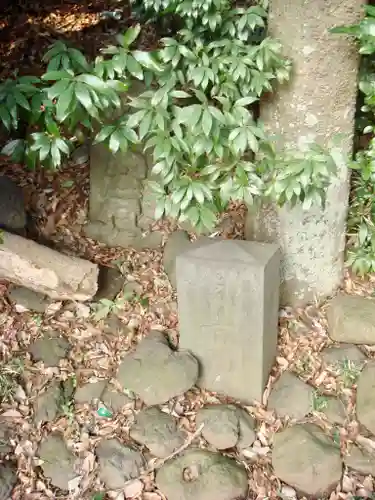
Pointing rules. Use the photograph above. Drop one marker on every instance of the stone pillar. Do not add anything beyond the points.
(228, 298)
(318, 103)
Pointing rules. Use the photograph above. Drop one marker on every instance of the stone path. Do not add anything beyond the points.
(307, 454)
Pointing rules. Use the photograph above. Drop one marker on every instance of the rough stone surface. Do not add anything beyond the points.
(351, 319)
(47, 404)
(114, 400)
(366, 397)
(25, 263)
(50, 349)
(6, 433)
(58, 461)
(28, 299)
(305, 458)
(158, 431)
(8, 480)
(334, 410)
(336, 355)
(157, 373)
(177, 243)
(228, 302)
(360, 460)
(226, 426)
(291, 397)
(312, 241)
(110, 283)
(90, 391)
(121, 203)
(117, 463)
(202, 475)
(12, 206)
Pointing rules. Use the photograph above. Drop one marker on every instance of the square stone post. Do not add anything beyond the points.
(228, 302)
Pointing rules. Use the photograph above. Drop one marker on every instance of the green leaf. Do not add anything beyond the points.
(55, 155)
(57, 89)
(57, 75)
(10, 147)
(93, 81)
(134, 68)
(246, 101)
(65, 101)
(104, 133)
(147, 60)
(206, 122)
(79, 59)
(21, 100)
(83, 95)
(131, 35)
(190, 115)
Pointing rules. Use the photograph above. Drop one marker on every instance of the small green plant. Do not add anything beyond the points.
(9, 373)
(348, 371)
(361, 218)
(197, 114)
(320, 401)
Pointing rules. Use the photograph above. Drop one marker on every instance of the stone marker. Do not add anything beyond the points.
(24, 262)
(228, 302)
(351, 319)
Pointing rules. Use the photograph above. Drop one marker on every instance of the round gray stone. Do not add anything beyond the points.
(157, 373)
(50, 349)
(118, 463)
(58, 461)
(306, 459)
(202, 475)
(158, 431)
(291, 397)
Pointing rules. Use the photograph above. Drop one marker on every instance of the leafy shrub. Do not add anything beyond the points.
(361, 218)
(196, 114)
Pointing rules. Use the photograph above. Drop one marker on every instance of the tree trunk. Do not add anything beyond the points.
(318, 103)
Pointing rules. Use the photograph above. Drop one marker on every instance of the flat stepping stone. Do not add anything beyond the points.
(58, 461)
(90, 391)
(50, 349)
(335, 356)
(158, 431)
(202, 475)
(306, 459)
(366, 397)
(225, 426)
(29, 300)
(351, 319)
(157, 373)
(290, 397)
(335, 411)
(8, 480)
(47, 404)
(361, 461)
(118, 463)
(114, 400)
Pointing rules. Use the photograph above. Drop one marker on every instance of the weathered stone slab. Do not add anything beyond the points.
(25, 263)
(360, 460)
(366, 397)
(202, 475)
(351, 319)
(26, 299)
(157, 373)
(58, 461)
(305, 458)
(291, 397)
(121, 203)
(12, 206)
(228, 301)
